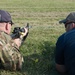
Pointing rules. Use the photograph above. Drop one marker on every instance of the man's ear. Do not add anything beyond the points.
(73, 25)
(6, 26)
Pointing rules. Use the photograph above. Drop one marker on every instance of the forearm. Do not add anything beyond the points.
(17, 42)
(60, 68)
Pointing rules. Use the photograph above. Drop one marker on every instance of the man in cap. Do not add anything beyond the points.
(10, 56)
(65, 47)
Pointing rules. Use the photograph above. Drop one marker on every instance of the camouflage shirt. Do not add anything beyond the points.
(10, 55)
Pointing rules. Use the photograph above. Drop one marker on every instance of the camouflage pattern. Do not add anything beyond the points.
(10, 56)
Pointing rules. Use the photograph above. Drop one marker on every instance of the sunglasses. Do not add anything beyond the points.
(7, 22)
(11, 23)
(68, 23)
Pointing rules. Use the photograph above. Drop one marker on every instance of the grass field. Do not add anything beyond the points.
(43, 17)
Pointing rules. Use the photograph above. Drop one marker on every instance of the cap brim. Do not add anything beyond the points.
(62, 21)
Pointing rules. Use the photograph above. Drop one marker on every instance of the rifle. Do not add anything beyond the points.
(18, 31)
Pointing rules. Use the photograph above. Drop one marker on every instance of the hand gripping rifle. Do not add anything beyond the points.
(17, 32)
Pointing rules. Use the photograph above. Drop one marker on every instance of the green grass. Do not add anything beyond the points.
(43, 17)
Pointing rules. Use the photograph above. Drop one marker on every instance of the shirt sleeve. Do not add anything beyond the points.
(59, 52)
(9, 52)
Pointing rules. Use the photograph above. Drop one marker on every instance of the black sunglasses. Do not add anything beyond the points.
(68, 23)
(7, 22)
(11, 23)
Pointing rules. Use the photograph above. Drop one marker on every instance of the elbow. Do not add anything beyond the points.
(60, 68)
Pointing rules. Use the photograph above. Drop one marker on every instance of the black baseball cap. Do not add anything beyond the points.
(69, 18)
(5, 17)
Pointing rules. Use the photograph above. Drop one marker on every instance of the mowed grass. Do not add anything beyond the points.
(43, 17)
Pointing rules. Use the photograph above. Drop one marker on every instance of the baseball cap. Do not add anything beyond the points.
(69, 18)
(5, 17)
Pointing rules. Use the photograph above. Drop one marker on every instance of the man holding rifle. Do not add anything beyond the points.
(10, 56)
